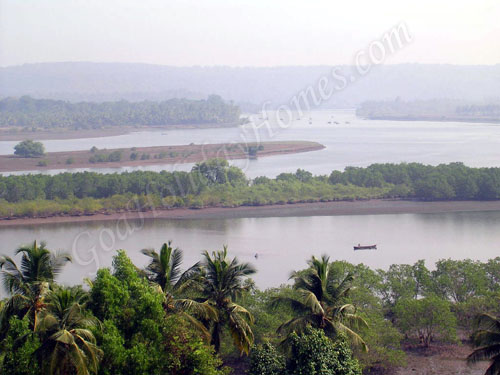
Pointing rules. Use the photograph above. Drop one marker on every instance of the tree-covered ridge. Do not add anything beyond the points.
(47, 113)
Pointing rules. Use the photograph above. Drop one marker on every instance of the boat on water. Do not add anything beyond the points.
(365, 247)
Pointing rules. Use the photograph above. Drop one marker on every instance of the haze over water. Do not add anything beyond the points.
(352, 141)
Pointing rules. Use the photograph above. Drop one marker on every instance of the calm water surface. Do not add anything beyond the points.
(351, 142)
(282, 243)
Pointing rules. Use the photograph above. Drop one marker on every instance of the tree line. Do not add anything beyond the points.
(46, 113)
(480, 110)
(334, 318)
(216, 183)
(437, 110)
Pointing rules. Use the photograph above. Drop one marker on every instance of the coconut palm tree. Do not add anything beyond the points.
(164, 271)
(322, 303)
(67, 344)
(222, 281)
(3, 329)
(487, 342)
(29, 283)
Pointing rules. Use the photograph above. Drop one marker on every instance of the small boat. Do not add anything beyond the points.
(365, 247)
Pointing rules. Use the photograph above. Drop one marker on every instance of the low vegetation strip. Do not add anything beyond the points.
(139, 156)
(430, 110)
(214, 183)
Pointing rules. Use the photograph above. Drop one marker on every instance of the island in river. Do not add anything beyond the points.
(140, 156)
(430, 110)
(17, 134)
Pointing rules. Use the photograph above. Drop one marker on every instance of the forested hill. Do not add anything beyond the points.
(46, 113)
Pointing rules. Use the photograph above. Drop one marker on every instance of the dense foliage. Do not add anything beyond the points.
(426, 318)
(46, 113)
(163, 320)
(138, 337)
(29, 149)
(312, 353)
(265, 359)
(215, 183)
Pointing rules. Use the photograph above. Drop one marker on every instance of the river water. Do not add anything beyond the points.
(351, 142)
(285, 243)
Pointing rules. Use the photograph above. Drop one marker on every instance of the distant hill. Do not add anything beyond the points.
(250, 86)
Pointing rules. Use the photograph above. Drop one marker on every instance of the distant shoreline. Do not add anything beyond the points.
(339, 208)
(432, 118)
(58, 134)
(159, 155)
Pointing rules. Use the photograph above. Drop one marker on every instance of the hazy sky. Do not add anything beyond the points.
(244, 33)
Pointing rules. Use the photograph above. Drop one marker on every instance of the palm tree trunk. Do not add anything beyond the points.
(216, 333)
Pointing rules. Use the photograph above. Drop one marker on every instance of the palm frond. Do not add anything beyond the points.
(354, 338)
(494, 368)
(483, 338)
(203, 310)
(295, 305)
(312, 302)
(241, 332)
(341, 290)
(239, 310)
(297, 324)
(197, 325)
(488, 322)
(484, 353)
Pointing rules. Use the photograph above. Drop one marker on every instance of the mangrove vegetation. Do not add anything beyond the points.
(215, 183)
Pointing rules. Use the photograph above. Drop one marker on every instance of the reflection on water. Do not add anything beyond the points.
(283, 243)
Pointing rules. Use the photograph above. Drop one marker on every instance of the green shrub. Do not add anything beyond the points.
(29, 149)
(313, 353)
(265, 360)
